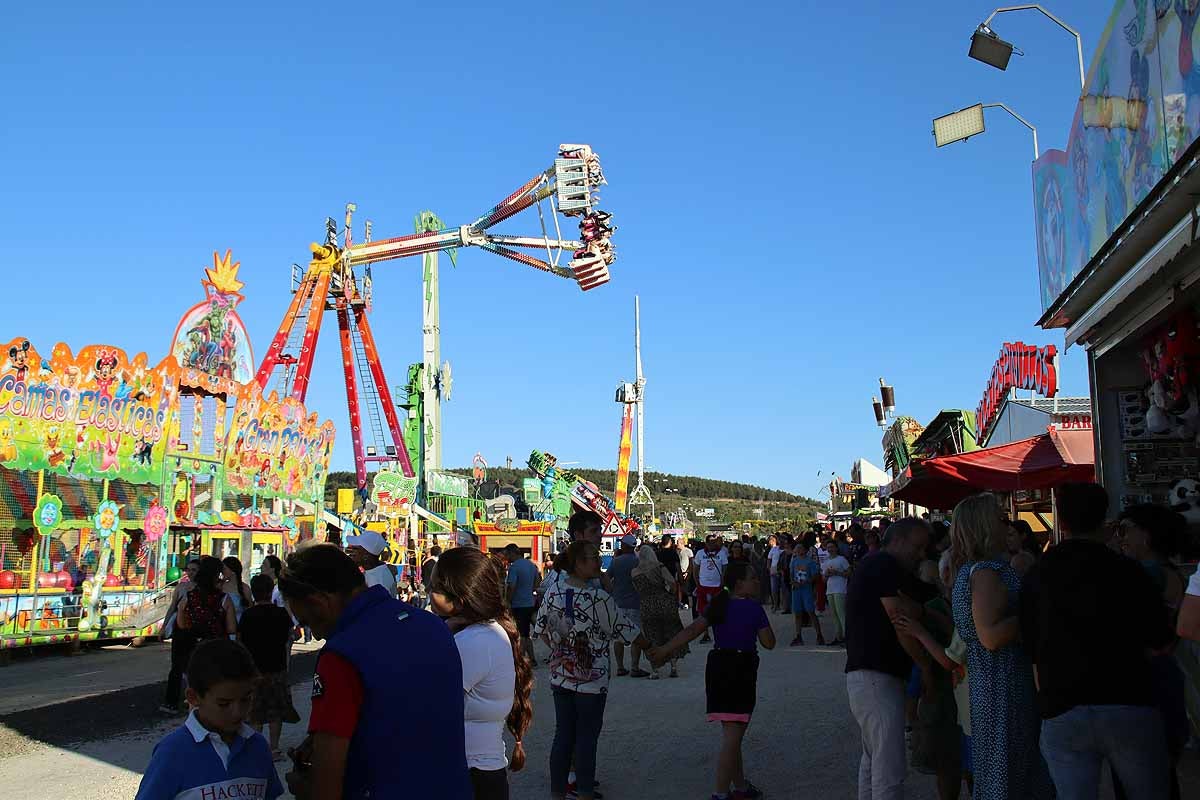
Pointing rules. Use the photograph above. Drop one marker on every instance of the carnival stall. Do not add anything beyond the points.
(113, 470)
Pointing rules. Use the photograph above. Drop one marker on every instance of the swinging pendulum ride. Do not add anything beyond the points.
(338, 279)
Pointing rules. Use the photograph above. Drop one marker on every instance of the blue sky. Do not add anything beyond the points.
(782, 211)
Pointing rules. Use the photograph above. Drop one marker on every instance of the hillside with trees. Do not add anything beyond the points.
(730, 501)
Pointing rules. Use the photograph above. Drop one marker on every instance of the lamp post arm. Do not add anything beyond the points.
(1057, 21)
(1036, 152)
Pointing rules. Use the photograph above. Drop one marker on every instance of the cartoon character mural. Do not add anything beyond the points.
(211, 337)
(1139, 113)
(67, 418)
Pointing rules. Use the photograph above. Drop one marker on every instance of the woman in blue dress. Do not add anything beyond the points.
(1004, 718)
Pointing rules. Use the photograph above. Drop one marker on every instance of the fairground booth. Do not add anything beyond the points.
(114, 469)
(1119, 271)
(1026, 446)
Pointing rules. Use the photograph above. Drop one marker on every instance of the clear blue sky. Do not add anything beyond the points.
(783, 213)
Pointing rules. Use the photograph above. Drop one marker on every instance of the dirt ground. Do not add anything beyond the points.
(803, 742)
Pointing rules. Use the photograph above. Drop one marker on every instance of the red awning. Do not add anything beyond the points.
(1041, 462)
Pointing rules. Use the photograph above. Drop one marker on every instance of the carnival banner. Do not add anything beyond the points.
(97, 414)
(277, 449)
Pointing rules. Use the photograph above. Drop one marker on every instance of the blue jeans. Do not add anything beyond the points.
(1131, 738)
(578, 718)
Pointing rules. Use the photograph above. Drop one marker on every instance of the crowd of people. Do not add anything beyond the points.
(975, 651)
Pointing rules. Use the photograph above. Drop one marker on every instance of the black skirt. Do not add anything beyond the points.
(731, 681)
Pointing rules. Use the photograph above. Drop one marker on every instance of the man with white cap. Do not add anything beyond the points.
(364, 549)
(620, 572)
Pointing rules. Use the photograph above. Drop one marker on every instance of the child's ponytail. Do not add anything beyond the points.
(735, 572)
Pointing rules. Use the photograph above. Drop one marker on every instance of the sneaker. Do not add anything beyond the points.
(751, 792)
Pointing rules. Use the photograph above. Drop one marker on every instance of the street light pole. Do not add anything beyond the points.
(986, 28)
(1036, 153)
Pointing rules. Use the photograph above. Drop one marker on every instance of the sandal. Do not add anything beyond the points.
(639, 673)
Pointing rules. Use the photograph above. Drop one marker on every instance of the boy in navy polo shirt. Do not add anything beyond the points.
(215, 755)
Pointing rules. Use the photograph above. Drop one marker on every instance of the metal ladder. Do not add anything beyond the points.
(368, 392)
(285, 374)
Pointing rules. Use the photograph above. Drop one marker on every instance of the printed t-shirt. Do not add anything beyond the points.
(871, 641)
(620, 572)
(489, 680)
(381, 576)
(265, 630)
(581, 622)
(804, 572)
(193, 763)
(744, 618)
(522, 575)
(711, 567)
(337, 697)
(836, 584)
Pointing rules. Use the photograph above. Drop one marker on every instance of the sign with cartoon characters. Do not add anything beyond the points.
(276, 448)
(211, 337)
(393, 494)
(97, 414)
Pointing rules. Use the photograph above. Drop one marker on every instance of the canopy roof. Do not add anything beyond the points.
(1040, 462)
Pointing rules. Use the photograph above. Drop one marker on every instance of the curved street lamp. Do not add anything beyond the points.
(965, 123)
(989, 48)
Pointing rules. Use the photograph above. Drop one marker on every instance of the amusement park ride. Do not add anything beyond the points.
(338, 279)
(633, 396)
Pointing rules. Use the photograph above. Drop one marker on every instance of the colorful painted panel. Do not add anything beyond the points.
(277, 449)
(211, 337)
(1139, 114)
(98, 414)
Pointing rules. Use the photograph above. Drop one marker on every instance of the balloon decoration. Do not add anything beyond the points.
(155, 524)
(173, 574)
(8, 579)
(107, 519)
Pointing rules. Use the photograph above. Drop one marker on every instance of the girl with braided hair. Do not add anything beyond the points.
(468, 591)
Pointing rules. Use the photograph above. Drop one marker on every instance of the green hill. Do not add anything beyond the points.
(730, 501)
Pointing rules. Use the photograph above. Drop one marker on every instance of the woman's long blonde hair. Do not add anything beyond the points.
(973, 531)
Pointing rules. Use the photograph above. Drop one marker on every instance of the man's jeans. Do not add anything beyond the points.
(877, 702)
(1131, 738)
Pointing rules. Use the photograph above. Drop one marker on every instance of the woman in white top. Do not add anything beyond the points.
(468, 591)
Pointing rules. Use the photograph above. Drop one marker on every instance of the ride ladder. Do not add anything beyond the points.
(369, 394)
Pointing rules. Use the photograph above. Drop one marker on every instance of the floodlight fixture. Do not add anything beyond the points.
(879, 418)
(990, 49)
(968, 122)
(958, 126)
(888, 394)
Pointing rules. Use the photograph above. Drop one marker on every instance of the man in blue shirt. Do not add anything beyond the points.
(215, 754)
(523, 576)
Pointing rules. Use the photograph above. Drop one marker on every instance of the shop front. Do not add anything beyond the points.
(1117, 224)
